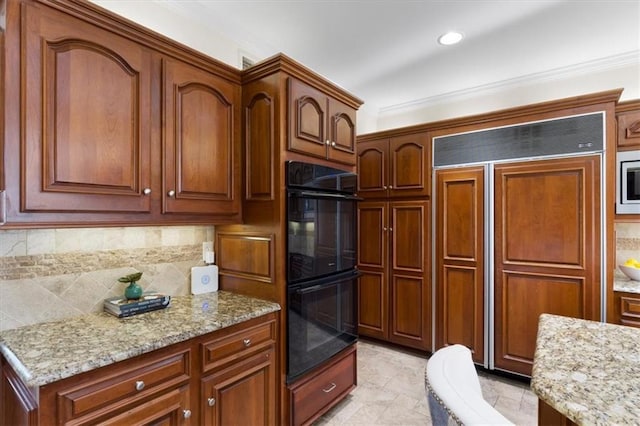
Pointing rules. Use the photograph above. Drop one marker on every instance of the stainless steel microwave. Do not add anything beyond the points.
(628, 182)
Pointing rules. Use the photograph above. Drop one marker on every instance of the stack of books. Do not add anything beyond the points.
(150, 301)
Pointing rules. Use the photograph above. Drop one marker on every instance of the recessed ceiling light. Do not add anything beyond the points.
(452, 37)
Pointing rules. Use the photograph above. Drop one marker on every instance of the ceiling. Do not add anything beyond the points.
(386, 51)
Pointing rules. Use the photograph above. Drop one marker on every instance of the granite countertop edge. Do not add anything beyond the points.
(91, 341)
(575, 362)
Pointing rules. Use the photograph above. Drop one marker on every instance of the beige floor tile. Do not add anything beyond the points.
(391, 392)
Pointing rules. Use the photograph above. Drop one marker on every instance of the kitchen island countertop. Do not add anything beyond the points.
(47, 352)
(588, 371)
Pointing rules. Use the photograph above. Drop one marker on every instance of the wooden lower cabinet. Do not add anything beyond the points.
(225, 377)
(320, 390)
(626, 308)
(394, 291)
(17, 403)
(547, 415)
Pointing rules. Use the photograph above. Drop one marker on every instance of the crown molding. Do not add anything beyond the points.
(590, 67)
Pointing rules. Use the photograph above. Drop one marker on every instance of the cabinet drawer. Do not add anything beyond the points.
(219, 351)
(630, 311)
(316, 394)
(122, 386)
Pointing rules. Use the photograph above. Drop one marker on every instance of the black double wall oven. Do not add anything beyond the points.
(321, 265)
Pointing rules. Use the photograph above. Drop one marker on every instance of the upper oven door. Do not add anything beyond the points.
(321, 234)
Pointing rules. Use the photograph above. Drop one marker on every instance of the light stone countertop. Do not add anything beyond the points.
(588, 371)
(47, 352)
(623, 283)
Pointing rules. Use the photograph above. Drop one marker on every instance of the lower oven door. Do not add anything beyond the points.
(321, 321)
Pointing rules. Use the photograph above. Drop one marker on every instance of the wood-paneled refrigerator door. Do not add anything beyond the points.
(547, 250)
(460, 281)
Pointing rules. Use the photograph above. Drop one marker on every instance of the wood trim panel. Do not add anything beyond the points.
(246, 255)
(259, 139)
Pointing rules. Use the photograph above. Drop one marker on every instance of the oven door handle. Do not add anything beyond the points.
(323, 195)
(307, 290)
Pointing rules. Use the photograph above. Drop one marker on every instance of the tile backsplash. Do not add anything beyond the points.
(627, 241)
(50, 274)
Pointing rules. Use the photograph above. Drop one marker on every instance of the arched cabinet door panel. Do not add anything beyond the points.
(87, 95)
(320, 126)
(201, 162)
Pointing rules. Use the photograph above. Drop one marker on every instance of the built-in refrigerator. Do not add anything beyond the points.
(518, 232)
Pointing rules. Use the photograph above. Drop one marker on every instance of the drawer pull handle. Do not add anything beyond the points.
(186, 413)
(211, 402)
(139, 385)
(246, 342)
(330, 388)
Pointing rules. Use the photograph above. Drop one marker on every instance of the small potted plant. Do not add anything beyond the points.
(133, 290)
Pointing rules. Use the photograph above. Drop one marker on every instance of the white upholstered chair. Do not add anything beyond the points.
(453, 390)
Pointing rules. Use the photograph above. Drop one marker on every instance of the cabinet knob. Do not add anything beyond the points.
(390, 229)
(384, 187)
(390, 186)
(328, 142)
(384, 228)
(333, 144)
(139, 385)
(186, 413)
(211, 402)
(171, 193)
(146, 191)
(246, 342)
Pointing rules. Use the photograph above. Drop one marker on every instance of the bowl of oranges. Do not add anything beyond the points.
(631, 268)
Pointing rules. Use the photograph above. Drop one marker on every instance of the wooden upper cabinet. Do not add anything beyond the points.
(320, 126)
(201, 154)
(373, 168)
(628, 116)
(117, 127)
(87, 95)
(395, 167)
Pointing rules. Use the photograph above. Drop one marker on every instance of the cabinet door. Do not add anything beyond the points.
(87, 95)
(342, 133)
(460, 259)
(409, 166)
(201, 141)
(308, 120)
(17, 404)
(547, 250)
(243, 394)
(373, 252)
(410, 289)
(372, 168)
(168, 409)
(629, 129)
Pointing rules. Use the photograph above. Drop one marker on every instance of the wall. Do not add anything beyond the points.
(618, 73)
(50, 274)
